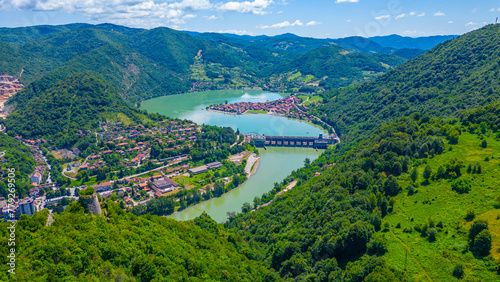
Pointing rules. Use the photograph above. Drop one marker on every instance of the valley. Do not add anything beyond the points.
(134, 159)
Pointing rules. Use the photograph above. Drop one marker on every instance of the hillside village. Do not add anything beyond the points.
(133, 164)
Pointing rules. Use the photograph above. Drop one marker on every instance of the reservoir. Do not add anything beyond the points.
(275, 163)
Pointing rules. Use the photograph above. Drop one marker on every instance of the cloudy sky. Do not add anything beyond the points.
(313, 18)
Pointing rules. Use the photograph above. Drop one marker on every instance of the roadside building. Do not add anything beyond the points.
(26, 206)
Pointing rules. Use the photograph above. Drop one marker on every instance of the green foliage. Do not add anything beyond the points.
(476, 228)
(484, 144)
(458, 271)
(461, 185)
(58, 111)
(87, 192)
(481, 245)
(455, 75)
(427, 172)
(18, 158)
(126, 247)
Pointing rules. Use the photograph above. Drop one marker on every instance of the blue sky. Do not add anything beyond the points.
(315, 18)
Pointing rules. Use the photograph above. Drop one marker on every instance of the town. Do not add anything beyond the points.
(283, 107)
(136, 164)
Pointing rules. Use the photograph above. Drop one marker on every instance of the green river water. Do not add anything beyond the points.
(275, 163)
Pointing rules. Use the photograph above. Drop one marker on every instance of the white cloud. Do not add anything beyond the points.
(439, 14)
(492, 10)
(346, 1)
(256, 7)
(212, 17)
(413, 13)
(421, 14)
(450, 22)
(348, 21)
(400, 16)
(281, 25)
(233, 31)
(311, 23)
(136, 13)
(382, 17)
(470, 23)
(191, 4)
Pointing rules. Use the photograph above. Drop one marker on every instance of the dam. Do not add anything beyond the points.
(320, 142)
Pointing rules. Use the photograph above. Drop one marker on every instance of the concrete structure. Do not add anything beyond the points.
(319, 142)
(205, 168)
(164, 185)
(26, 206)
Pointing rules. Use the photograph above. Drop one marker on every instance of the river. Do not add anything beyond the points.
(275, 163)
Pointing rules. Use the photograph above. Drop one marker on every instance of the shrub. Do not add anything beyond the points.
(458, 271)
(432, 232)
(484, 144)
(470, 215)
(411, 189)
(497, 202)
(440, 225)
(481, 245)
(376, 246)
(427, 172)
(476, 228)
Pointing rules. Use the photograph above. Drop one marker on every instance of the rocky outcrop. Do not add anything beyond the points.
(9, 86)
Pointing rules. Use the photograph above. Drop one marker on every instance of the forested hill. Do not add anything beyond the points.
(59, 109)
(406, 203)
(124, 247)
(459, 74)
(150, 63)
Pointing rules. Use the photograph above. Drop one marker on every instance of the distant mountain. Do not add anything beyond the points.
(458, 74)
(144, 63)
(339, 67)
(400, 42)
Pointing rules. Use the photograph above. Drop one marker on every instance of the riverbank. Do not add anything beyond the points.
(252, 164)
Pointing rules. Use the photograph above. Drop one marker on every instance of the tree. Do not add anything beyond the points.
(231, 216)
(458, 271)
(481, 245)
(391, 186)
(427, 172)
(461, 185)
(246, 207)
(484, 144)
(441, 172)
(476, 228)
(256, 201)
(414, 174)
(453, 137)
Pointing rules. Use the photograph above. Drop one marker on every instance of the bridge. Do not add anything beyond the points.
(320, 142)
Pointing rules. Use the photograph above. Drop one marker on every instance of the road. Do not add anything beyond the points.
(161, 167)
(250, 162)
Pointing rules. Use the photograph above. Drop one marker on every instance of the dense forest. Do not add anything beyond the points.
(124, 247)
(59, 109)
(338, 226)
(463, 73)
(142, 64)
(411, 192)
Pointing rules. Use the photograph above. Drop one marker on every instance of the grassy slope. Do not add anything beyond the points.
(436, 260)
